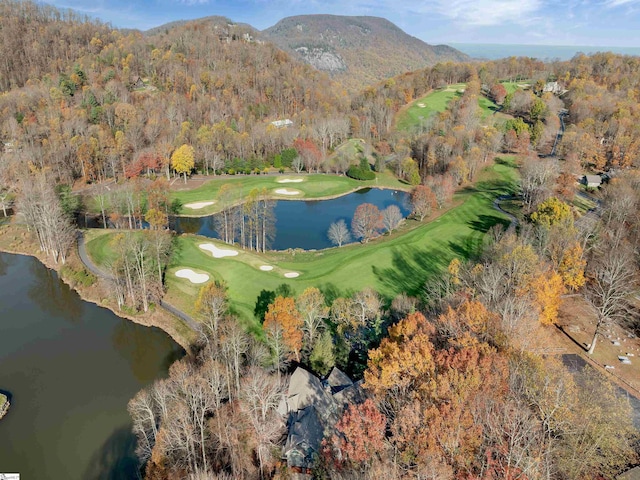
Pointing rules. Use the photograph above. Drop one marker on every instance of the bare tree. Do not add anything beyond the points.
(261, 394)
(339, 233)
(366, 221)
(43, 214)
(144, 413)
(612, 278)
(297, 164)
(392, 218)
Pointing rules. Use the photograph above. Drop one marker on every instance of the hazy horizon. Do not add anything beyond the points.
(533, 22)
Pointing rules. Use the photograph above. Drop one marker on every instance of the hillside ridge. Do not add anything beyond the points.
(356, 50)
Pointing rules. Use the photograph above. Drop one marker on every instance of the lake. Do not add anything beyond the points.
(304, 224)
(71, 367)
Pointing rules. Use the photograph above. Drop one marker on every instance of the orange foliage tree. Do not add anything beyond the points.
(283, 316)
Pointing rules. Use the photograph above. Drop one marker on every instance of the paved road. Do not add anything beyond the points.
(98, 272)
(496, 205)
(88, 263)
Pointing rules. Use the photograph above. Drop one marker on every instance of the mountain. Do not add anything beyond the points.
(356, 51)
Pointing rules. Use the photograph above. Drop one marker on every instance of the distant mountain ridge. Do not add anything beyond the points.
(356, 51)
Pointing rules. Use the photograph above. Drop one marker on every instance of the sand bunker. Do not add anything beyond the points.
(217, 252)
(266, 268)
(192, 276)
(199, 205)
(288, 191)
(291, 180)
(292, 274)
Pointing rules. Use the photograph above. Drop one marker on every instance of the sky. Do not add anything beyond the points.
(536, 22)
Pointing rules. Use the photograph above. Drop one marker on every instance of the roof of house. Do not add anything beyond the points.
(313, 408)
(633, 474)
(306, 389)
(338, 380)
(282, 123)
(593, 179)
(352, 395)
(304, 439)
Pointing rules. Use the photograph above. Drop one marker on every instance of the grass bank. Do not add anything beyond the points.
(315, 186)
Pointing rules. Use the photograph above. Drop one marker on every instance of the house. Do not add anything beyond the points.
(312, 408)
(282, 123)
(555, 88)
(136, 83)
(633, 474)
(592, 181)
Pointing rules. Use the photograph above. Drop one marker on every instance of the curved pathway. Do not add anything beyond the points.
(98, 272)
(496, 205)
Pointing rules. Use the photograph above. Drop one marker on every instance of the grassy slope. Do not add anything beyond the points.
(314, 186)
(390, 264)
(434, 102)
(437, 101)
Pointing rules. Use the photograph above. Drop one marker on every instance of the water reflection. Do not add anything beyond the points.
(304, 224)
(132, 344)
(71, 367)
(53, 295)
(116, 460)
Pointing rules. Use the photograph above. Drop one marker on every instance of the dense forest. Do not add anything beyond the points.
(456, 382)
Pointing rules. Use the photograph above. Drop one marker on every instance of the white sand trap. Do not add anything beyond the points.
(199, 205)
(421, 105)
(292, 274)
(192, 276)
(291, 180)
(266, 268)
(288, 191)
(217, 252)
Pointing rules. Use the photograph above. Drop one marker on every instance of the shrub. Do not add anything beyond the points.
(360, 173)
(77, 277)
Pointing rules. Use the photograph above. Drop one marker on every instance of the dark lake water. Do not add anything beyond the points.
(71, 367)
(304, 224)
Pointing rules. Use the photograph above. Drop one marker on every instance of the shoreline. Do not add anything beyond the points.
(407, 189)
(5, 407)
(153, 318)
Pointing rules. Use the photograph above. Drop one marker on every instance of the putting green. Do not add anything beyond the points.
(313, 186)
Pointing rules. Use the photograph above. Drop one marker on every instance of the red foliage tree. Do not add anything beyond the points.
(310, 154)
(361, 435)
(367, 220)
(498, 93)
(423, 201)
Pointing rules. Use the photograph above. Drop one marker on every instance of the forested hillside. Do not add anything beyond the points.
(103, 104)
(451, 321)
(357, 51)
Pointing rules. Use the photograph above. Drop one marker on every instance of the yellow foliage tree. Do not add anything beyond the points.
(547, 289)
(552, 212)
(572, 266)
(182, 160)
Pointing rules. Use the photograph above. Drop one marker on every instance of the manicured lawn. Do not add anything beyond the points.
(312, 187)
(438, 101)
(390, 264)
(98, 245)
(426, 106)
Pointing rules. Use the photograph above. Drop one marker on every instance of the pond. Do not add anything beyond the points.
(304, 224)
(70, 367)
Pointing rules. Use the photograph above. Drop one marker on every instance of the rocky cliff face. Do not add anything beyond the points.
(322, 58)
(356, 51)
